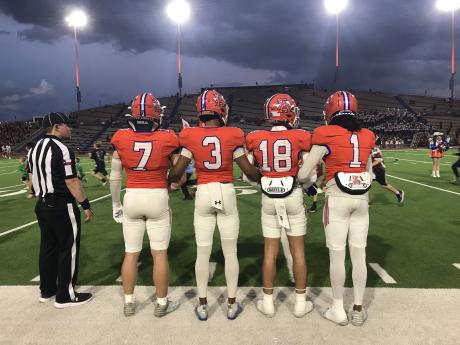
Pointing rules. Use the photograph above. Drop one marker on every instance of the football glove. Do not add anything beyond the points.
(117, 212)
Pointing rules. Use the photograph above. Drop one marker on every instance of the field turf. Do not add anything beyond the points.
(416, 243)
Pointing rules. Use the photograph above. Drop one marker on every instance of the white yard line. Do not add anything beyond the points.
(16, 185)
(416, 161)
(382, 273)
(9, 173)
(36, 279)
(424, 185)
(35, 222)
(457, 265)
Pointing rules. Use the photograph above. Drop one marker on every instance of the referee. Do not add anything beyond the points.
(55, 182)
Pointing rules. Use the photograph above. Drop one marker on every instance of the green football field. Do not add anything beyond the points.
(417, 244)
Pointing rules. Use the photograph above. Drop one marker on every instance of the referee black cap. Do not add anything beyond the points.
(51, 119)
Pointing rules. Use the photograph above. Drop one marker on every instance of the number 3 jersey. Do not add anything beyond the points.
(213, 149)
(278, 151)
(145, 156)
(348, 152)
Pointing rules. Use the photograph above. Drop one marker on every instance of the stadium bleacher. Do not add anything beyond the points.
(397, 117)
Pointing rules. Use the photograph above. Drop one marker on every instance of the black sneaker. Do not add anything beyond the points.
(400, 197)
(80, 298)
(43, 298)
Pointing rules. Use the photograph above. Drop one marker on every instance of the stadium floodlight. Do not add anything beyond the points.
(450, 6)
(77, 19)
(335, 7)
(179, 12)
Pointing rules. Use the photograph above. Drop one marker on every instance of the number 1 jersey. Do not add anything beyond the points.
(213, 150)
(145, 156)
(348, 152)
(278, 152)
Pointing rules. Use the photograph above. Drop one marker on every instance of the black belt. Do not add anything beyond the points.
(52, 200)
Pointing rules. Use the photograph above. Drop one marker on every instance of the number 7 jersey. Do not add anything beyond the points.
(348, 152)
(145, 156)
(278, 152)
(213, 149)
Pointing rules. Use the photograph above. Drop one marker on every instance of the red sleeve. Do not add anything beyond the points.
(174, 141)
(319, 137)
(250, 142)
(238, 138)
(184, 138)
(305, 141)
(115, 139)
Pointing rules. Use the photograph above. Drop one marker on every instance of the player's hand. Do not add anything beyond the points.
(117, 213)
(88, 215)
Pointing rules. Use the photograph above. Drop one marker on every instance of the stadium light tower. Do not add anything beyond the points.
(335, 7)
(450, 6)
(77, 19)
(179, 12)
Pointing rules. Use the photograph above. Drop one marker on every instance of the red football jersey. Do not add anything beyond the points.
(212, 149)
(347, 151)
(145, 156)
(278, 152)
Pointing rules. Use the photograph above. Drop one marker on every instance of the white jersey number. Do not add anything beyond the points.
(282, 150)
(216, 153)
(146, 148)
(355, 163)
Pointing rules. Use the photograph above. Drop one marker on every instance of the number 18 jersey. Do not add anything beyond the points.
(278, 152)
(213, 150)
(348, 152)
(145, 156)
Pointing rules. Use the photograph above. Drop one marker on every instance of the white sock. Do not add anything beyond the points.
(337, 273)
(162, 300)
(203, 253)
(268, 299)
(358, 260)
(129, 298)
(433, 173)
(232, 267)
(300, 298)
(437, 174)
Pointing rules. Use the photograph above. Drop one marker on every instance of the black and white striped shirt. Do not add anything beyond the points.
(51, 163)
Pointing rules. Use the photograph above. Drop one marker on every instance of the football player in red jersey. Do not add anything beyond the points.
(214, 147)
(346, 149)
(278, 153)
(145, 152)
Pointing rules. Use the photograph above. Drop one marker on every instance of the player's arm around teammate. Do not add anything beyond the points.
(277, 152)
(345, 147)
(214, 148)
(144, 152)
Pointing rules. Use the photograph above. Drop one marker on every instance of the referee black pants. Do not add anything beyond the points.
(60, 228)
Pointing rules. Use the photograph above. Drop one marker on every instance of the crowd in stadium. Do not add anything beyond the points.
(395, 126)
(12, 133)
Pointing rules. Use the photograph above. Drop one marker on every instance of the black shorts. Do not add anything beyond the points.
(101, 170)
(24, 178)
(380, 176)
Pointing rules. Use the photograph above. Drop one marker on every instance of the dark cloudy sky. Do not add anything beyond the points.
(129, 46)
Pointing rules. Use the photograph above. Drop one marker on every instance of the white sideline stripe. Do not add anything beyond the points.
(413, 160)
(212, 270)
(119, 280)
(9, 173)
(16, 185)
(382, 273)
(457, 265)
(424, 185)
(36, 279)
(34, 222)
